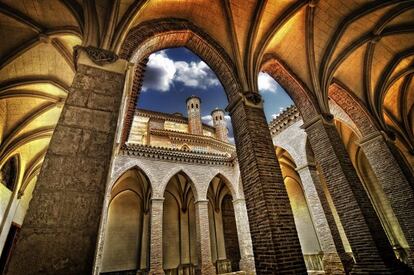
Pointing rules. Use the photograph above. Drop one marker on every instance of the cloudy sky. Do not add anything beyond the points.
(173, 75)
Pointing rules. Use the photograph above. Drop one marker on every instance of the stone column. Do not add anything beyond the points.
(156, 260)
(372, 251)
(334, 256)
(243, 234)
(205, 265)
(61, 226)
(395, 185)
(275, 240)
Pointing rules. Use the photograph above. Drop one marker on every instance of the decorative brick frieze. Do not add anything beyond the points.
(177, 155)
(286, 118)
(143, 40)
(61, 226)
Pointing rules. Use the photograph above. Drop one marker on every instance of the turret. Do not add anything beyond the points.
(194, 115)
(220, 124)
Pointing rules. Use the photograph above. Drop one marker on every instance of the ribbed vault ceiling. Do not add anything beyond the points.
(366, 45)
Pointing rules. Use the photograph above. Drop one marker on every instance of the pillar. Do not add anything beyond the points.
(243, 234)
(205, 265)
(275, 241)
(334, 256)
(372, 252)
(156, 260)
(395, 185)
(61, 226)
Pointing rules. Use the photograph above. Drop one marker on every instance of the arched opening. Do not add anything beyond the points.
(9, 173)
(225, 250)
(304, 225)
(179, 226)
(374, 191)
(126, 237)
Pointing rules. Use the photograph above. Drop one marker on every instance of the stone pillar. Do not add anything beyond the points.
(275, 240)
(372, 252)
(61, 226)
(243, 234)
(205, 265)
(334, 256)
(394, 184)
(156, 261)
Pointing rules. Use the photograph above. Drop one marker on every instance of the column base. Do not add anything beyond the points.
(206, 269)
(333, 265)
(381, 270)
(156, 272)
(247, 265)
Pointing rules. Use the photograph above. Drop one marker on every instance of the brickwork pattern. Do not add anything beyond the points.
(397, 185)
(205, 265)
(334, 256)
(372, 252)
(275, 242)
(60, 230)
(156, 260)
(181, 33)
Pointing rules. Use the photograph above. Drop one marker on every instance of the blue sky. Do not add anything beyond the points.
(173, 75)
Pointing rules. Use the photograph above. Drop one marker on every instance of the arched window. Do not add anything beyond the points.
(8, 173)
(192, 105)
(197, 105)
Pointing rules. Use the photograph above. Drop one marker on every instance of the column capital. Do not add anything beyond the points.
(99, 58)
(201, 201)
(370, 137)
(321, 118)
(157, 200)
(248, 98)
(239, 201)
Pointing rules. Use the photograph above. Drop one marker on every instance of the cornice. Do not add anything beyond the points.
(169, 117)
(177, 155)
(285, 119)
(199, 139)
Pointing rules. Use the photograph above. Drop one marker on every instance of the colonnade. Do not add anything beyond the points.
(74, 195)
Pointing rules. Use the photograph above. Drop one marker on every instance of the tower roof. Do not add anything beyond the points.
(191, 97)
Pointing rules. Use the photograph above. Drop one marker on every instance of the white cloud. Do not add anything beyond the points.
(266, 83)
(195, 74)
(207, 119)
(159, 73)
(162, 72)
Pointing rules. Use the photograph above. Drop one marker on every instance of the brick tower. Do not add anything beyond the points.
(220, 124)
(194, 117)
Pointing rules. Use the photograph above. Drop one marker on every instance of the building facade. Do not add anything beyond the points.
(70, 77)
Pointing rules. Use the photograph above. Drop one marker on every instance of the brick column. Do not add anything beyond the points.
(394, 184)
(156, 261)
(61, 226)
(205, 265)
(243, 234)
(370, 246)
(334, 256)
(275, 241)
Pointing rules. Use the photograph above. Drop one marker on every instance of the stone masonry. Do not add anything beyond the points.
(60, 230)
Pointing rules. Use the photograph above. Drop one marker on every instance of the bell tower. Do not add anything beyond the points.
(219, 123)
(194, 115)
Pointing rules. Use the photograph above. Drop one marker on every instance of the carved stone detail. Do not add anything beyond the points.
(254, 98)
(98, 56)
